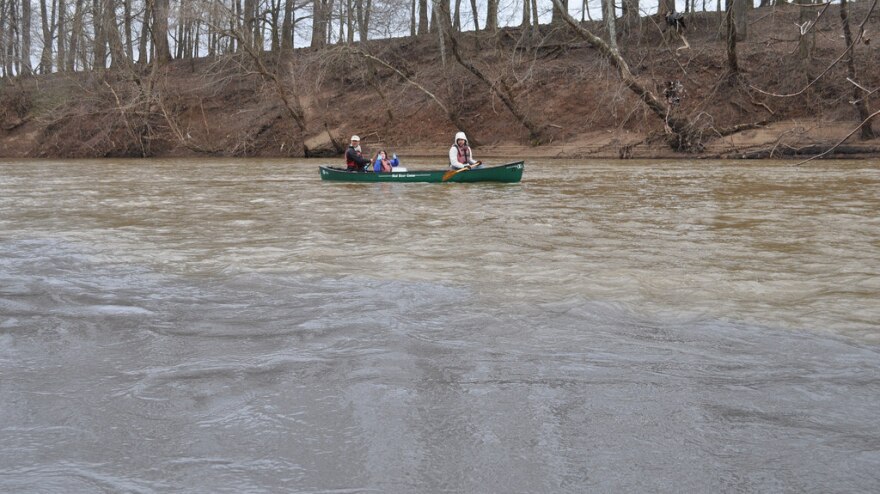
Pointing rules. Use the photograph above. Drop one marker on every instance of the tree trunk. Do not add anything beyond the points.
(560, 8)
(349, 20)
(159, 30)
(111, 31)
(99, 47)
(492, 16)
(526, 17)
(143, 44)
(76, 36)
(866, 131)
(610, 16)
(287, 26)
(732, 62)
(249, 27)
(368, 15)
(14, 37)
(275, 27)
(5, 67)
(741, 14)
(27, 69)
(46, 53)
(62, 33)
(361, 19)
(343, 20)
(664, 7)
(536, 26)
(423, 17)
(319, 24)
(180, 36)
(807, 41)
(476, 15)
(631, 16)
(129, 42)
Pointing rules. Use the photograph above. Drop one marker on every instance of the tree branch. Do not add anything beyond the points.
(832, 148)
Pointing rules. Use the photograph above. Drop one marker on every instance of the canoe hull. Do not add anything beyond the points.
(509, 173)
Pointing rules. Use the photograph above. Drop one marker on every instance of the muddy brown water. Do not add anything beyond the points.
(240, 326)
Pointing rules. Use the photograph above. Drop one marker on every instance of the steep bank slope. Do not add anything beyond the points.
(227, 107)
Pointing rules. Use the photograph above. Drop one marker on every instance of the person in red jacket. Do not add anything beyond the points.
(354, 160)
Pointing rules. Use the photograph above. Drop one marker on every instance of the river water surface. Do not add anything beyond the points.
(240, 326)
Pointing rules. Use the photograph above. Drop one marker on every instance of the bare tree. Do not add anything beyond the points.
(609, 13)
(807, 41)
(110, 28)
(287, 26)
(364, 12)
(741, 10)
(500, 88)
(143, 45)
(26, 37)
(321, 10)
(859, 98)
(159, 30)
(630, 14)
(62, 33)
(560, 9)
(732, 61)
(684, 135)
(666, 6)
(127, 18)
(491, 15)
(423, 17)
(48, 29)
(5, 41)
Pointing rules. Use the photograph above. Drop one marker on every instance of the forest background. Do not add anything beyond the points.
(288, 78)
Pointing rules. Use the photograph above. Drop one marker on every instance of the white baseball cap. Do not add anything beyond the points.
(355, 138)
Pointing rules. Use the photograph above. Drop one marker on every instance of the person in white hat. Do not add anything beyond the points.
(354, 160)
(460, 154)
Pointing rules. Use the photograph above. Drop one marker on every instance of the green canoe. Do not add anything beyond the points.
(511, 172)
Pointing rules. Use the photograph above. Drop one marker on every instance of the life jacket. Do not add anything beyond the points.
(349, 163)
(464, 154)
(381, 165)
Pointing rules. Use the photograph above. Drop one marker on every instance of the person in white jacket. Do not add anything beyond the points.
(460, 154)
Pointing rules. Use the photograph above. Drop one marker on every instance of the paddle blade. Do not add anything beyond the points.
(451, 173)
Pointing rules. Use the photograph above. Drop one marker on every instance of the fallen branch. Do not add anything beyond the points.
(842, 140)
(741, 127)
(788, 151)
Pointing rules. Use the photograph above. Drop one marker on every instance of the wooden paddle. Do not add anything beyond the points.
(451, 173)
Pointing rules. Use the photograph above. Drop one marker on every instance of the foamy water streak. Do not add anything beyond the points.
(220, 326)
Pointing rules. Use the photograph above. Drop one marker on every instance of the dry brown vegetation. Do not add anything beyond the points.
(407, 95)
